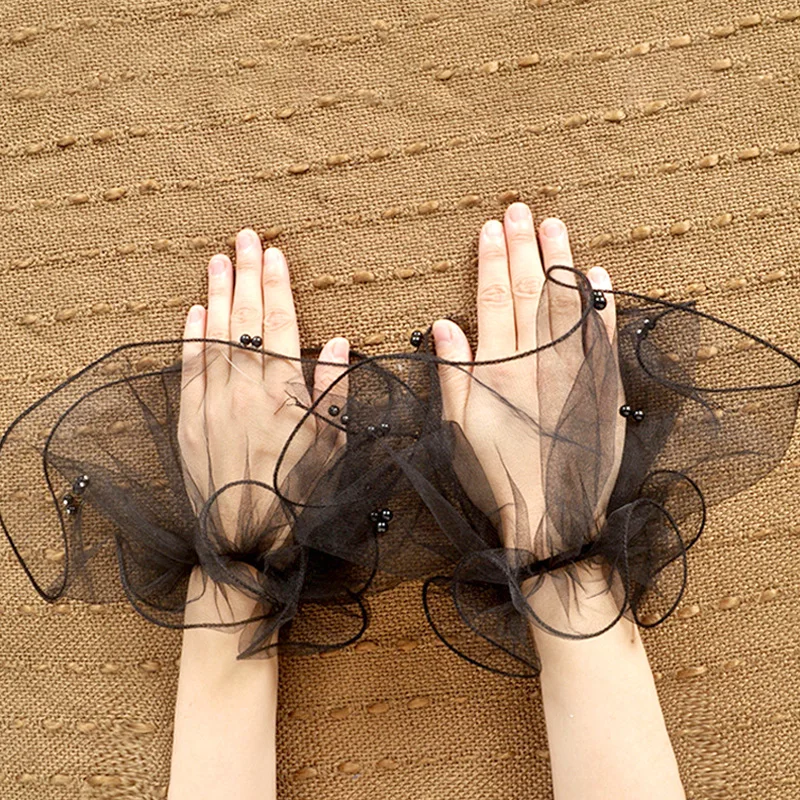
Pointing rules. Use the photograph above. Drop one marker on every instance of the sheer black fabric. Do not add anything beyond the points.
(565, 495)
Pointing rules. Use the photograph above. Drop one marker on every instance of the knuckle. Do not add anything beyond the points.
(565, 298)
(277, 398)
(519, 236)
(189, 380)
(501, 374)
(557, 259)
(326, 382)
(451, 376)
(278, 319)
(272, 278)
(217, 333)
(189, 439)
(248, 262)
(244, 313)
(493, 251)
(504, 375)
(218, 289)
(214, 414)
(496, 295)
(321, 393)
(324, 377)
(527, 287)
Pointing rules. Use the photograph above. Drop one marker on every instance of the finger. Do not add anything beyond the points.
(191, 409)
(247, 313)
(601, 281)
(497, 335)
(218, 323)
(564, 304)
(280, 332)
(333, 407)
(193, 384)
(451, 344)
(527, 276)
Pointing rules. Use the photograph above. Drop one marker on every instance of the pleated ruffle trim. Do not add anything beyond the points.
(565, 494)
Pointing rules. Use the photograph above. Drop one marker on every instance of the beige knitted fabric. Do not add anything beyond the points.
(371, 141)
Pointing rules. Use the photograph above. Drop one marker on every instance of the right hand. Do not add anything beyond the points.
(510, 283)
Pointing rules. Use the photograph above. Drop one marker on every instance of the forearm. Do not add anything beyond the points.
(225, 711)
(605, 727)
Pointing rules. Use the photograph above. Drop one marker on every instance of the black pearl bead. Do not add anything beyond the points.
(416, 338)
(599, 300)
(638, 415)
(81, 482)
(374, 515)
(256, 341)
(70, 504)
(647, 326)
(387, 514)
(385, 427)
(245, 339)
(345, 419)
(625, 411)
(371, 430)
(381, 526)
(334, 410)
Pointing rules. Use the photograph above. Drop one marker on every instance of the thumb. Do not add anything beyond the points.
(452, 345)
(336, 350)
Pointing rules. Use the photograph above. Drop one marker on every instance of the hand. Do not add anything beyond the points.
(514, 317)
(238, 406)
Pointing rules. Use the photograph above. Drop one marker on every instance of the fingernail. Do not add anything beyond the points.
(274, 258)
(493, 229)
(217, 265)
(599, 278)
(553, 228)
(340, 349)
(442, 332)
(195, 313)
(247, 238)
(519, 212)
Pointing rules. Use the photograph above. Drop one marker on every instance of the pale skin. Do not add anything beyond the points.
(225, 711)
(605, 727)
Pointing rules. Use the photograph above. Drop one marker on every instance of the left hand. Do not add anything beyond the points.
(237, 406)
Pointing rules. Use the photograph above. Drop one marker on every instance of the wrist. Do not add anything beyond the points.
(212, 602)
(209, 604)
(584, 605)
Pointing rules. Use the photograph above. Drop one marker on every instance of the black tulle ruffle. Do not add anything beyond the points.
(398, 492)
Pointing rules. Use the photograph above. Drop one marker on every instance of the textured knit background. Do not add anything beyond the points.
(371, 141)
